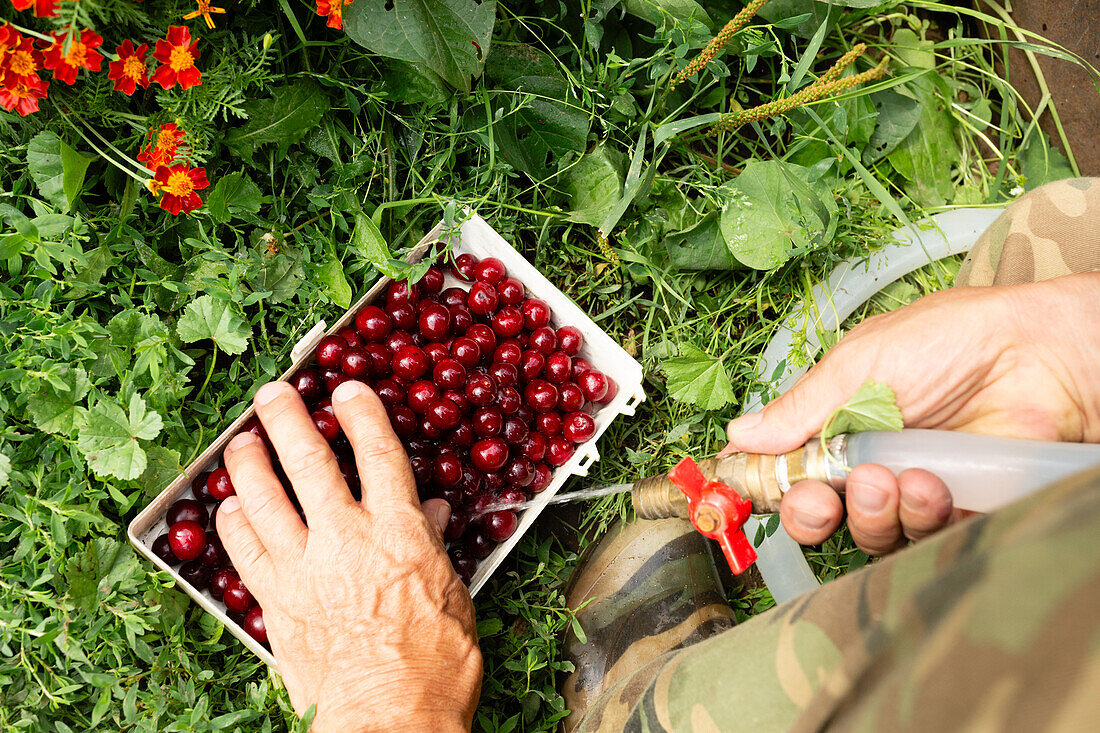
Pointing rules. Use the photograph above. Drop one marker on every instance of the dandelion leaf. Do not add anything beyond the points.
(284, 119)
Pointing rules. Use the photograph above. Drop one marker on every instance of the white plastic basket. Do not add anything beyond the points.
(478, 238)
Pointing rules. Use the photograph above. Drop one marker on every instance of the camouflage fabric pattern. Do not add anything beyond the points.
(993, 624)
(1052, 231)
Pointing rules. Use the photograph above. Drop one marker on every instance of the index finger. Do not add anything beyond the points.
(384, 469)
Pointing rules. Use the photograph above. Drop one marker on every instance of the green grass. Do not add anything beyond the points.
(90, 638)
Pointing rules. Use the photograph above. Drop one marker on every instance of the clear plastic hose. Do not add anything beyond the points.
(852, 283)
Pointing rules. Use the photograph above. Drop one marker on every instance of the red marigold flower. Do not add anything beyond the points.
(130, 69)
(21, 63)
(81, 54)
(42, 8)
(177, 54)
(177, 185)
(162, 150)
(334, 9)
(23, 96)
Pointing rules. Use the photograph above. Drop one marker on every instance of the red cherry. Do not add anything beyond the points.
(356, 363)
(333, 378)
(448, 471)
(421, 395)
(520, 471)
(471, 481)
(548, 423)
(511, 291)
(514, 495)
(403, 315)
(570, 340)
(543, 340)
(478, 543)
(198, 487)
(463, 268)
(410, 363)
(220, 580)
(432, 282)
(488, 455)
(187, 510)
(482, 299)
(456, 526)
(481, 389)
(326, 405)
(531, 364)
(188, 539)
(508, 352)
(484, 336)
(351, 336)
(542, 478)
(463, 563)
(237, 597)
(570, 397)
(612, 390)
(505, 374)
(534, 446)
(560, 450)
(214, 555)
(423, 468)
(488, 422)
(435, 322)
(326, 424)
(463, 436)
(509, 400)
(452, 297)
(501, 525)
(594, 385)
(514, 431)
(219, 486)
(437, 352)
(540, 395)
(461, 318)
(466, 351)
(558, 367)
(254, 625)
(444, 414)
(535, 313)
(578, 427)
(162, 548)
(308, 383)
(195, 574)
(449, 374)
(490, 270)
(381, 359)
(329, 351)
(508, 321)
(401, 291)
(404, 421)
(374, 324)
(580, 366)
(390, 392)
(459, 398)
(399, 340)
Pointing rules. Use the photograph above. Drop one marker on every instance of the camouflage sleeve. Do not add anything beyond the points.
(992, 624)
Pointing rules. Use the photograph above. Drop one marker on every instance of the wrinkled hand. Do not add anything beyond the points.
(365, 615)
(1020, 362)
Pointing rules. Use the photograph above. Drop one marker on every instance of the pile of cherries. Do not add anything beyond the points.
(191, 540)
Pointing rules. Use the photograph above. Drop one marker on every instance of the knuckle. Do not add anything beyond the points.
(376, 446)
(308, 460)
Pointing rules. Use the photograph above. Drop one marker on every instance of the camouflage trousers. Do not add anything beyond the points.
(992, 624)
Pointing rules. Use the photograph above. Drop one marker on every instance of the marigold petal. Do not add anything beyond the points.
(165, 76)
(189, 77)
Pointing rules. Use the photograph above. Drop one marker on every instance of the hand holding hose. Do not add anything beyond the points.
(1020, 362)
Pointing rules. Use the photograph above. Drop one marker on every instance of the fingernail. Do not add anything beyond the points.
(230, 505)
(268, 392)
(745, 423)
(867, 498)
(442, 512)
(809, 520)
(240, 440)
(347, 391)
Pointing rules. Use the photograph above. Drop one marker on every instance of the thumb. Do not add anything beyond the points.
(438, 512)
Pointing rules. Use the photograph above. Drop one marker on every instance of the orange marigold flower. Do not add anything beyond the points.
(177, 185)
(177, 54)
(81, 54)
(162, 150)
(130, 69)
(334, 9)
(205, 9)
(42, 8)
(21, 63)
(23, 96)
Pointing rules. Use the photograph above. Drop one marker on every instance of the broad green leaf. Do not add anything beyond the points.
(655, 11)
(367, 241)
(162, 468)
(412, 83)
(5, 470)
(450, 37)
(208, 317)
(873, 407)
(897, 116)
(56, 410)
(82, 576)
(1041, 162)
(537, 117)
(109, 437)
(927, 155)
(331, 275)
(130, 327)
(44, 164)
(74, 166)
(281, 275)
(233, 195)
(673, 129)
(701, 247)
(772, 211)
(282, 119)
(698, 379)
(595, 184)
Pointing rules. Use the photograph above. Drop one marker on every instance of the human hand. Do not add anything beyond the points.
(1020, 362)
(365, 616)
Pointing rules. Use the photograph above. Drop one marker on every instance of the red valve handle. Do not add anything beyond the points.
(718, 512)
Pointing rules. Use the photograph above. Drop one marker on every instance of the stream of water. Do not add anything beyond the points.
(563, 498)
